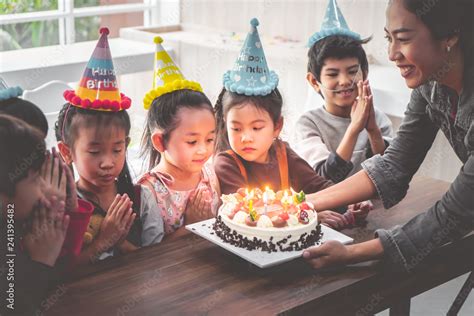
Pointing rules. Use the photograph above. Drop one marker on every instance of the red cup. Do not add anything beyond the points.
(79, 220)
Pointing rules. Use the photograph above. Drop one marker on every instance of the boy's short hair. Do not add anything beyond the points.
(339, 47)
(23, 149)
(26, 111)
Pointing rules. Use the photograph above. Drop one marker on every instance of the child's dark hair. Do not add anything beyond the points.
(445, 18)
(72, 119)
(162, 116)
(25, 111)
(24, 150)
(338, 47)
(272, 103)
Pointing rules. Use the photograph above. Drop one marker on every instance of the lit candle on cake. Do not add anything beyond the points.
(265, 200)
(284, 200)
(250, 199)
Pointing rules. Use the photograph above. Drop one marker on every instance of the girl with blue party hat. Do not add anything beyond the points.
(337, 137)
(248, 114)
(93, 133)
(178, 141)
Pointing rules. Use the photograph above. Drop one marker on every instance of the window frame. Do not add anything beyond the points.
(66, 14)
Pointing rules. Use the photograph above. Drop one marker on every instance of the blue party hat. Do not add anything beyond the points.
(333, 24)
(7, 92)
(250, 75)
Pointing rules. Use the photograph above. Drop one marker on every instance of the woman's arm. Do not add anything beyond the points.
(389, 177)
(354, 189)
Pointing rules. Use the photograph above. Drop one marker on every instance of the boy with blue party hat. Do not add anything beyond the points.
(338, 136)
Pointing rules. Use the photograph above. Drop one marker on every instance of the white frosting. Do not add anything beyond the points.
(240, 217)
(264, 221)
(293, 220)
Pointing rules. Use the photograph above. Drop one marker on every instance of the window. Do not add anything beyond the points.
(34, 23)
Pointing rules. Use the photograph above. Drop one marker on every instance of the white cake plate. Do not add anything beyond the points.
(257, 257)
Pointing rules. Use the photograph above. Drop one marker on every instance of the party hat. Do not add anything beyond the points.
(333, 24)
(166, 77)
(7, 92)
(250, 75)
(98, 88)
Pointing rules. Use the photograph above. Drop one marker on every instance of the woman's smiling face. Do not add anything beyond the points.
(412, 47)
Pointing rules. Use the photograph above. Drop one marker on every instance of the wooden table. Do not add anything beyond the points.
(193, 276)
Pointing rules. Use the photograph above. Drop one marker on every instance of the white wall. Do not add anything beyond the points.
(292, 19)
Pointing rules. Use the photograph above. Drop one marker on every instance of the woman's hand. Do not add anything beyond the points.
(199, 206)
(48, 230)
(334, 253)
(330, 253)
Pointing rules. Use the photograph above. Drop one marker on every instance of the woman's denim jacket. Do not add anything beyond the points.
(451, 217)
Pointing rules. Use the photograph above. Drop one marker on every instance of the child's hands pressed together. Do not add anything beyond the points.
(361, 108)
(371, 125)
(199, 207)
(59, 180)
(48, 229)
(117, 223)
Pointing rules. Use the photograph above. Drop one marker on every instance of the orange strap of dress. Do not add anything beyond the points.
(282, 165)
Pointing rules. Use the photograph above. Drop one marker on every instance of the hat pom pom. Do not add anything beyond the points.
(158, 40)
(114, 106)
(254, 22)
(104, 30)
(86, 103)
(96, 104)
(76, 100)
(126, 104)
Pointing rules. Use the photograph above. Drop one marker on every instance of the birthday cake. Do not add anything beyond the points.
(268, 221)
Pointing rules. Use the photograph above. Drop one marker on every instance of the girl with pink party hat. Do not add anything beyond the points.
(93, 133)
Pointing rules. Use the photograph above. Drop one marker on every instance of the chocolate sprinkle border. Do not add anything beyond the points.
(230, 236)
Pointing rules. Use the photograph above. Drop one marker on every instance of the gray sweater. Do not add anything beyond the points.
(317, 135)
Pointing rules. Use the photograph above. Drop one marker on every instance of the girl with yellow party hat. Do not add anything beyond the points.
(178, 141)
(93, 133)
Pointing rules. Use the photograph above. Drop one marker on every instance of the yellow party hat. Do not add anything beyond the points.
(166, 77)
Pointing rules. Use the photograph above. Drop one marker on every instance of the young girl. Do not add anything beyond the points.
(94, 136)
(178, 141)
(248, 113)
